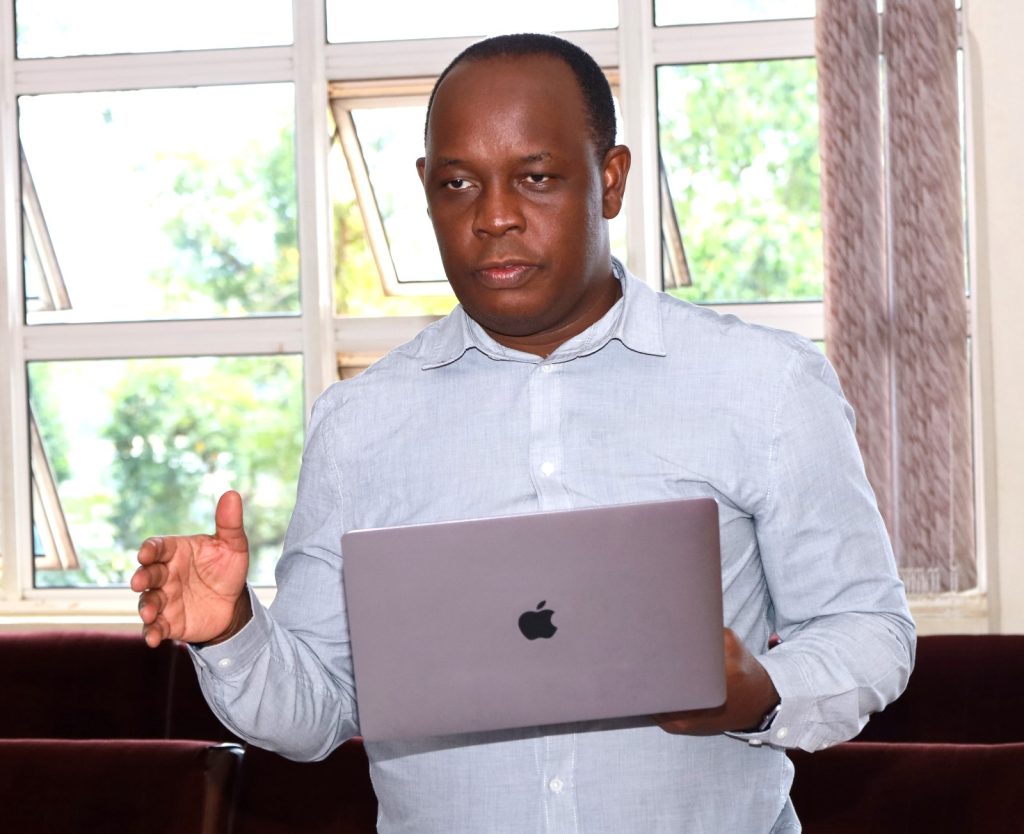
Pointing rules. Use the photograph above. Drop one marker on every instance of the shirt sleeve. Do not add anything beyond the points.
(285, 682)
(840, 609)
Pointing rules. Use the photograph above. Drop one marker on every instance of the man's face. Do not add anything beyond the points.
(519, 200)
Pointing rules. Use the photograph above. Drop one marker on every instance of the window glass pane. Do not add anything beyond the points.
(386, 260)
(673, 12)
(134, 212)
(126, 449)
(391, 145)
(349, 20)
(739, 146)
(53, 28)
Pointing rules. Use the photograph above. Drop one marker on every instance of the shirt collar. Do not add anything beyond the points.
(634, 320)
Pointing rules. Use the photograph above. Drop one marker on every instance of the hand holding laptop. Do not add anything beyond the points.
(750, 695)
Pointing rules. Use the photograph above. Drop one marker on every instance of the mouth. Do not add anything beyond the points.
(504, 274)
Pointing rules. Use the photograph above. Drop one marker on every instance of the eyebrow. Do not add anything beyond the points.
(452, 162)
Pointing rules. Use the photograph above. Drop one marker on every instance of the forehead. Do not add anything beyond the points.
(523, 100)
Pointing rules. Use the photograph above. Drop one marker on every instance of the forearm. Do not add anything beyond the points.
(836, 599)
(834, 672)
(270, 687)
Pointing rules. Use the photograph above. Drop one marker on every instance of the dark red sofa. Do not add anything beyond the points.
(88, 709)
(947, 757)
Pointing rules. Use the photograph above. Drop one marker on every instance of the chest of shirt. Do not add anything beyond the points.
(481, 437)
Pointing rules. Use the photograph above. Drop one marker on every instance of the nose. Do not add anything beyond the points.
(498, 212)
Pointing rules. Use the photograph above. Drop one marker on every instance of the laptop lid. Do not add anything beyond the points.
(535, 619)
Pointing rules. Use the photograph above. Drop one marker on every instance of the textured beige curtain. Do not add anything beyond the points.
(896, 316)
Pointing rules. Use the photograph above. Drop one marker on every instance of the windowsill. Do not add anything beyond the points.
(88, 610)
(963, 613)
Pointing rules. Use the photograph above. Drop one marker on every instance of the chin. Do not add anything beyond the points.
(516, 325)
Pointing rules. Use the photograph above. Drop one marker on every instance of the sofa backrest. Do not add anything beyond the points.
(84, 786)
(966, 689)
(90, 685)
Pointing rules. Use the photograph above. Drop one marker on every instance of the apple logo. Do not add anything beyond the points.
(537, 623)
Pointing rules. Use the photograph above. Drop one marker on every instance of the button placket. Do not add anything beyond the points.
(545, 451)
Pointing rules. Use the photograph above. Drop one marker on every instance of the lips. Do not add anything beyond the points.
(505, 275)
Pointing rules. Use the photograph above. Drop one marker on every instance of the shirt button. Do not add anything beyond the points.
(546, 369)
(224, 662)
(555, 785)
(547, 468)
(781, 733)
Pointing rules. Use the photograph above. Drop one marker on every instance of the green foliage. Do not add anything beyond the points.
(740, 143)
(51, 429)
(183, 432)
(223, 229)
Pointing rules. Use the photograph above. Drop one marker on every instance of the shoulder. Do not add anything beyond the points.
(386, 380)
(726, 341)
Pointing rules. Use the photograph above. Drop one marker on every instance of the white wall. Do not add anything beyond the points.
(994, 32)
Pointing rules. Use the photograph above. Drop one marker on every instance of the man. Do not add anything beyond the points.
(562, 381)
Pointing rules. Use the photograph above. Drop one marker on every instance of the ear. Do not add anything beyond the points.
(614, 170)
(421, 169)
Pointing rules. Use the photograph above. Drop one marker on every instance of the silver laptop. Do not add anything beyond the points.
(535, 619)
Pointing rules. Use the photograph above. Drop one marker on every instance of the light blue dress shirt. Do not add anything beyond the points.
(660, 399)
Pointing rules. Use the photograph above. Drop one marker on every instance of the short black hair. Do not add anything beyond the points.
(597, 93)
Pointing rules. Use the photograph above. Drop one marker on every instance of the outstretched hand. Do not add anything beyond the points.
(192, 588)
(750, 695)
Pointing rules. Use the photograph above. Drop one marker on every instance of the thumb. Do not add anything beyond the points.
(229, 522)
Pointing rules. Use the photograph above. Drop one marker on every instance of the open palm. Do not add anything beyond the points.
(192, 587)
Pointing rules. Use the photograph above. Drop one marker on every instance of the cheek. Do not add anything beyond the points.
(447, 228)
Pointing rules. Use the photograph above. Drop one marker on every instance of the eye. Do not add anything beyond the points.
(457, 184)
(537, 179)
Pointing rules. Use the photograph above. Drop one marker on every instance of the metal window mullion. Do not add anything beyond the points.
(154, 339)
(15, 482)
(979, 329)
(316, 269)
(748, 41)
(427, 58)
(149, 71)
(639, 107)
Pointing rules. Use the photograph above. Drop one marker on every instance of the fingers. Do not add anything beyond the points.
(155, 626)
(152, 550)
(153, 634)
(149, 576)
(700, 722)
(229, 522)
(151, 604)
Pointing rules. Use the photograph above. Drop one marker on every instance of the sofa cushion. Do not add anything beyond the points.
(890, 788)
(965, 689)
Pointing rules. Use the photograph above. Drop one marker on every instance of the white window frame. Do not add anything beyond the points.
(635, 49)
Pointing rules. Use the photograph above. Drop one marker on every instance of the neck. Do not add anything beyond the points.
(547, 342)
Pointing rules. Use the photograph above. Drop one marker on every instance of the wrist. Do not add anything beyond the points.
(771, 704)
(240, 617)
(766, 721)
